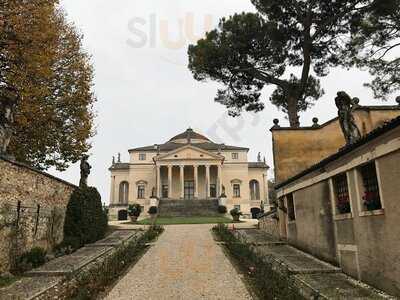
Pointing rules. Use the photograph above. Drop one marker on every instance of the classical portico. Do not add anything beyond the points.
(189, 173)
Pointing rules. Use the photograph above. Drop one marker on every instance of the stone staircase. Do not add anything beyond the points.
(188, 208)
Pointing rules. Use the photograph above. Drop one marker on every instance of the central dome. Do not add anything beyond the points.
(189, 136)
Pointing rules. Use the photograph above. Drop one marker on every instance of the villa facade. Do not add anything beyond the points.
(188, 167)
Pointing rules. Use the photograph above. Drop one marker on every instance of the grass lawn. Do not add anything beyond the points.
(187, 220)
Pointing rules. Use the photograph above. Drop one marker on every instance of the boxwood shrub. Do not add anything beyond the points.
(85, 220)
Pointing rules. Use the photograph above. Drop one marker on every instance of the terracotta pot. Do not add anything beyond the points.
(236, 218)
(133, 219)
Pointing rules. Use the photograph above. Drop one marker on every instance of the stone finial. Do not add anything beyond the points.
(356, 102)
(398, 100)
(315, 122)
(265, 161)
(157, 148)
(276, 123)
(119, 157)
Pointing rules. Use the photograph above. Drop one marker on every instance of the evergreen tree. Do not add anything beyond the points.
(287, 43)
(374, 44)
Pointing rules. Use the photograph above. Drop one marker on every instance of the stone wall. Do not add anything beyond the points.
(296, 149)
(32, 210)
(365, 244)
(270, 225)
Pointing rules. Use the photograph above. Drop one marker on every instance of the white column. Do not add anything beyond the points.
(170, 181)
(112, 191)
(159, 181)
(182, 181)
(219, 190)
(196, 181)
(208, 180)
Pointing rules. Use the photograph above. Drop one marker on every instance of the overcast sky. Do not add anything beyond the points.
(146, 93)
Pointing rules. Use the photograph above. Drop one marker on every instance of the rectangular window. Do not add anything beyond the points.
(236, 190)
(290, 207)
(370, 192)
(142, 156)
(141, 191)
(342, 194)
(235, 155)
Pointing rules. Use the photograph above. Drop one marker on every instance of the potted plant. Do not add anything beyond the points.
(235, 213)
(134, 211)
(372, 201)
(343, 204)
(222, 209)
(153, 211)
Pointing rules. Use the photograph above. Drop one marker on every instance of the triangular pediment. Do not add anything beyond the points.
(189, 152)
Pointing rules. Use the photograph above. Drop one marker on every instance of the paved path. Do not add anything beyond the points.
(185, 263)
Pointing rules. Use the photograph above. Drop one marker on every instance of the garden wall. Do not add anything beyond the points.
(32, 210)
(270, 225)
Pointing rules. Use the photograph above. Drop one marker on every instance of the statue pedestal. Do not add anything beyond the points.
(154, 202)
(222, 201)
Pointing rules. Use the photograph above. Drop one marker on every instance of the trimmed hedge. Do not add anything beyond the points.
(153, 210)
(269, 282)
(85, 221)
(102, 274)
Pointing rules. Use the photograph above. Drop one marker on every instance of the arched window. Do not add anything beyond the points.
(123, 192)
(254, 190)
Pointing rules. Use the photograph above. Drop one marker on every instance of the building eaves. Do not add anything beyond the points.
(258, 165)
(376, 133)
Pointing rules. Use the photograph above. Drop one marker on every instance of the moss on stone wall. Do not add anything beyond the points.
(38, 219)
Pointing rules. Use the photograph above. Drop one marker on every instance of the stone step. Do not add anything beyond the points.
(187, 208)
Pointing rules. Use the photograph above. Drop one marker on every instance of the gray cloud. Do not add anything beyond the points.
(146, 94)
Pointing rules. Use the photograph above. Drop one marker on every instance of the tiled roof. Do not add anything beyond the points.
(120, 166)
(256, 165)
(189, 134)
(170, 146)
(345, 150)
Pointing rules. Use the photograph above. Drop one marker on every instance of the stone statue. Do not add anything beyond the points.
(259, 157)
(113, 160)
(119, 157)
(349, 127)
(85, 171)
(153, 192)
(223, 191)
(8, 103)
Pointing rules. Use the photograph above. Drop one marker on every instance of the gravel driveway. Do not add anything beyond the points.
(185, 263)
